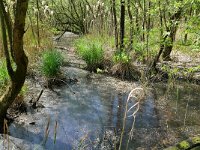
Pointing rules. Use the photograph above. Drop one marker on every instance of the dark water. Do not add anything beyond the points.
(86, 110)
(182, 102)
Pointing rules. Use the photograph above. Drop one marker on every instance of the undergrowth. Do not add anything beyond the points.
(123, 67)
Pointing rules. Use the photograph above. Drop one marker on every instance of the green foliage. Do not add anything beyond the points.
(121, 58)
(91, 51)
(139, 51)
(4, 77)
(51, 63)
(123, 67)
(184, 145)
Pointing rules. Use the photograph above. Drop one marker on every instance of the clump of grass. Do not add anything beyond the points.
(91, 51)
(123, 67)
(51, 63)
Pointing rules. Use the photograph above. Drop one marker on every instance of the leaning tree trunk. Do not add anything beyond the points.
(172, 33)
(17, 76)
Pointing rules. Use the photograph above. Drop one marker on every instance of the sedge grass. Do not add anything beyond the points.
(51, 63)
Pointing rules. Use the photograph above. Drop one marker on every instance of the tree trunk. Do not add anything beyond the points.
(38, 26)
(18, 76)
(115, 23)
(144, 20)
(172, 33)
(122, 25)
(148, 26)
(131, 24)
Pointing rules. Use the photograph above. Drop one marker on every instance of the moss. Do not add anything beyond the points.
(196, 140)
(184, 145)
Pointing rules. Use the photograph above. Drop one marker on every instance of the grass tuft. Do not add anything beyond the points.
(91, 51)
(51, 63)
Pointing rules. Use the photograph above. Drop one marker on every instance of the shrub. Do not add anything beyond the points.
(92, 52)
(51, 63)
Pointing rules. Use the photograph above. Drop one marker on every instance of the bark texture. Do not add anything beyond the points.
(174, 21)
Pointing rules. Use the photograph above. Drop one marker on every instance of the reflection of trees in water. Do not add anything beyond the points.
(115, 111)
(119, 112)
(111, 110)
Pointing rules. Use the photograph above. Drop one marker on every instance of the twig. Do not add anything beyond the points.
(35, 102)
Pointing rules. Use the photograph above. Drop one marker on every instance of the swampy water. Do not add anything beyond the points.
(88, 114)
(86, 110)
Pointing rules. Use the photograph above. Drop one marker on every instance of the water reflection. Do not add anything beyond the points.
(84, 115)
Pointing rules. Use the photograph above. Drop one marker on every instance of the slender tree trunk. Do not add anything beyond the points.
(122, 25)
(156, 59)
(115, 23)
(137, 18)
(148, 29)
(162, 46)
(131, 23)
(186, 34)
(38, 26)
(144, 20)
(18, 76)
(186, 18)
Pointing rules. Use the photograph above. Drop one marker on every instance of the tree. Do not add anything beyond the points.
(171, 32)
(13, 33)
(115, 22)
(122, 24)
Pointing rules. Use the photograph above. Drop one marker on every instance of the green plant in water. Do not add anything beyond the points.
(51, 63)
(90, 51)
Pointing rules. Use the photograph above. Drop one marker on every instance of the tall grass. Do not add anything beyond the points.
(51, 63)
(91, 51)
